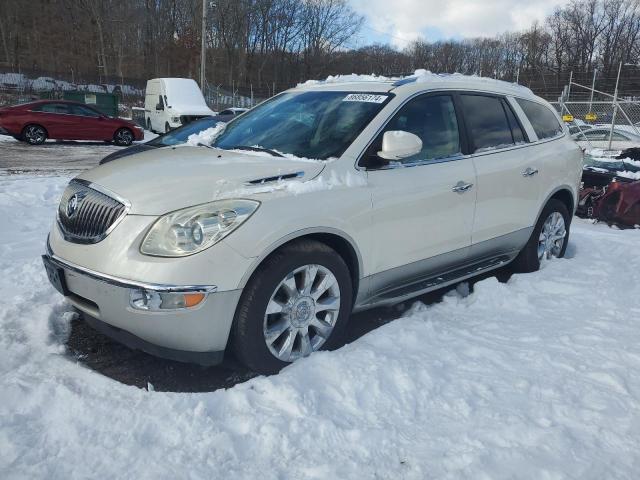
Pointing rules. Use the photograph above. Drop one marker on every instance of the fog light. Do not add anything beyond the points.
(150, 300)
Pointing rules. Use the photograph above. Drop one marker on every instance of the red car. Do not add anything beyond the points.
(61, 120)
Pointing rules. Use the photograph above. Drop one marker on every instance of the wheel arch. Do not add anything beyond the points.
(341, 242)
(565, 195)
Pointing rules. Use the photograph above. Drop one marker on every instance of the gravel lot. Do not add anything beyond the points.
(53, 156)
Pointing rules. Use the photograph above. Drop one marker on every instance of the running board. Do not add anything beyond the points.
(425, 285)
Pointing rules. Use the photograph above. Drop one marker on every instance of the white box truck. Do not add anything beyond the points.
(172, 102)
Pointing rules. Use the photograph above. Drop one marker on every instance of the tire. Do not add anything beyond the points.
(528, 260)
(34, 134)
(123, 137)
(325, 329)
(167, 128)
(149, 124)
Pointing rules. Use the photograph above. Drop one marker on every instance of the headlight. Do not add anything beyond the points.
(175, 119)
(194, 229)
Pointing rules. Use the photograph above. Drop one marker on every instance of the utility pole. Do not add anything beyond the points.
(615, 106)
(593, 86)
(203, 47)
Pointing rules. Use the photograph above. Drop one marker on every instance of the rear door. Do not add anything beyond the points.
(507, 175)
(88, 123)
(422, 224)
(56, 119)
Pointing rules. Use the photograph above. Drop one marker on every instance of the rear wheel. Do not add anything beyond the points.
(149, 124)
(123, 137)
(549, 239)
(34, 134)
(296, 303)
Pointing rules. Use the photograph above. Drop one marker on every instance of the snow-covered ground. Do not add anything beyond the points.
(535, 378)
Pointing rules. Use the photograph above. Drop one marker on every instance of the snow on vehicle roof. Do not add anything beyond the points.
(184, 93)
(421, 76)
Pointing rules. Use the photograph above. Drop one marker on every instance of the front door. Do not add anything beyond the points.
(422, 216)
(88, 123)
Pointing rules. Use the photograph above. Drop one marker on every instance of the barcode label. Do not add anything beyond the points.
(364, 97)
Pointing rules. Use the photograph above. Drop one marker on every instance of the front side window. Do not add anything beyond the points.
(487, 122)
(316, 125)
(543, 120)
(83, 111)
(433, 120)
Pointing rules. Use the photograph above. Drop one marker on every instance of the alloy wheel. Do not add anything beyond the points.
(552, 236)
(301, 312)
(35, 134)
(124, 137)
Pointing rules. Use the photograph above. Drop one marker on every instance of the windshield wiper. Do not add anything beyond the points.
(257, 149)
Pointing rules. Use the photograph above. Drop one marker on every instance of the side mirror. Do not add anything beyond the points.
(159, 106)
(398, 144)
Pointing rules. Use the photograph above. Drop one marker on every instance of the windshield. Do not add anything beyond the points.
(180, 135)
(317, 125)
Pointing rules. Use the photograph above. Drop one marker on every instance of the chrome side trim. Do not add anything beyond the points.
(126, 283)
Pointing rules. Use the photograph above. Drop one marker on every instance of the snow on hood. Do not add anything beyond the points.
(167, 179)
(185, 96)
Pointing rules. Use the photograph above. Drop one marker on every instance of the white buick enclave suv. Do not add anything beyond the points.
(328, 198)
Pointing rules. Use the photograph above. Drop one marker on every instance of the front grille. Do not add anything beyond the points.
(86, 215)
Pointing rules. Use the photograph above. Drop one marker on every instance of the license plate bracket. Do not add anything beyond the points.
(56, 276)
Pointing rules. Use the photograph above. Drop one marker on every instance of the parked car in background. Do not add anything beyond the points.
(573, 129)
(229, 114)
(174, 137)
(172, 102)
(599, 137)
(35, 122)
(249, 245)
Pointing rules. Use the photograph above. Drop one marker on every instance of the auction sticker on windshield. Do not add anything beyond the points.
(364, 97)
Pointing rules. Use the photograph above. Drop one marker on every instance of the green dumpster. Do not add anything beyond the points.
(107, 103)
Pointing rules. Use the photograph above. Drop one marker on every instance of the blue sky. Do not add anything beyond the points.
(398, 22)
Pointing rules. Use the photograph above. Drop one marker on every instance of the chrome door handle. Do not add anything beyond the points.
(530, 172)
(462, 187)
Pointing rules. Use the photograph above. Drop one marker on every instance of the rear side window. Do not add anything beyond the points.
(543, 120)
(52, 108)
(487, 122)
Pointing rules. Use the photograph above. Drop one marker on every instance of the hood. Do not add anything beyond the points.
(170, 178)
(132, 150)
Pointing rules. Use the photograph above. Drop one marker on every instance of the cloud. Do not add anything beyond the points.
(406, 20)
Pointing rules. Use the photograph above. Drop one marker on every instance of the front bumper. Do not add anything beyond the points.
(197, 335)
(138, 133)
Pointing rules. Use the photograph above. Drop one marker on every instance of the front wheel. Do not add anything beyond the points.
(123, 137)
(167, 128)
(296, 303)
(34, 134)
(549, 239)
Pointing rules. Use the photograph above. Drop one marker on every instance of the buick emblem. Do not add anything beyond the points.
(74, 203)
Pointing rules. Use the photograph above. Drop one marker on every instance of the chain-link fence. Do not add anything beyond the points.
(605, 121)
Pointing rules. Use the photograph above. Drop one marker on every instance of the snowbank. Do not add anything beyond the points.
(536, 378)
